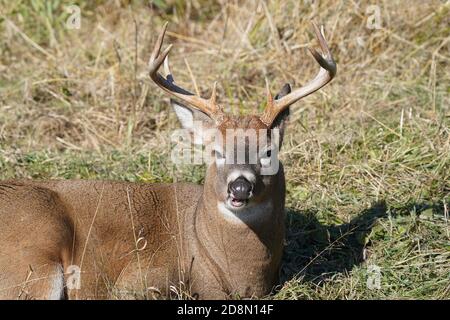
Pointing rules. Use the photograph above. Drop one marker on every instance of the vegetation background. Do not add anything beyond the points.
(366, 158)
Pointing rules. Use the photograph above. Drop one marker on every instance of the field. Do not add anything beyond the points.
(367, 158)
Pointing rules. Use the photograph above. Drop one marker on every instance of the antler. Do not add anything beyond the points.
(208, 106)
(326, 73)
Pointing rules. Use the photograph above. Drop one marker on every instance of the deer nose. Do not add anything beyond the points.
(241, 188)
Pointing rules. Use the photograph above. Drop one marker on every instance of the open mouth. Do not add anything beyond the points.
(237, 203)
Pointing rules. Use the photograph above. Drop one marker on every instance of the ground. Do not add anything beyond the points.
(367, 158)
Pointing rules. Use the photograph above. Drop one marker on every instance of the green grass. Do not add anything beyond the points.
(367, 159)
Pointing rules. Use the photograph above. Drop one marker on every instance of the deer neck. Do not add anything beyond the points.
(243, 248)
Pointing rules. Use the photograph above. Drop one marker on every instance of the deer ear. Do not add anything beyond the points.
(283, 117)
(193, 120)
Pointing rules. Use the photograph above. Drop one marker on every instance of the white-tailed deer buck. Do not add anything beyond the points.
(102, 239)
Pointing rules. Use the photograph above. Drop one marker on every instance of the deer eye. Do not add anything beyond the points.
(218, 154)
(266, 154)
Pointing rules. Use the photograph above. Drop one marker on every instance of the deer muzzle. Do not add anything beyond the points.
(240, 191)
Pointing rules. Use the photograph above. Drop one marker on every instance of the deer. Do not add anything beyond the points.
(87, 239)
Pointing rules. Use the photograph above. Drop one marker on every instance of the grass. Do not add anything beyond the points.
(367, 158)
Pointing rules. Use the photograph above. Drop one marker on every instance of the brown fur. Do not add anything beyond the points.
(136, 239)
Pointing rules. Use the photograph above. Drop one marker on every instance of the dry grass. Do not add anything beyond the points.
(367, 158)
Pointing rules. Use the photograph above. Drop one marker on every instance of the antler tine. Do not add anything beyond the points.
(159, 43)
(326, 73)
(167, 84)
(167, 67)
(325, 59)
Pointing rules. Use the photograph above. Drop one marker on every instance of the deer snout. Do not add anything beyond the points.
(240, 189)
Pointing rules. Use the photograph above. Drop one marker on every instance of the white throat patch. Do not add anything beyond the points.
(256, 212)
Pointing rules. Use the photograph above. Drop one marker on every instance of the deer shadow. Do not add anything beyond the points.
(316, 252)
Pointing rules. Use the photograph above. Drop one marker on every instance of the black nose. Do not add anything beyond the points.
(241, 188)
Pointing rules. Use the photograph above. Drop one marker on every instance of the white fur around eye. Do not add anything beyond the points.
(220, 162)
(265, 162)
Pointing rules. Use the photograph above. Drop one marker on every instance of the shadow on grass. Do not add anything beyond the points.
(316, 252)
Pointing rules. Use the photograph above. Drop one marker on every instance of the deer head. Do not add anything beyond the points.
(240, 184)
